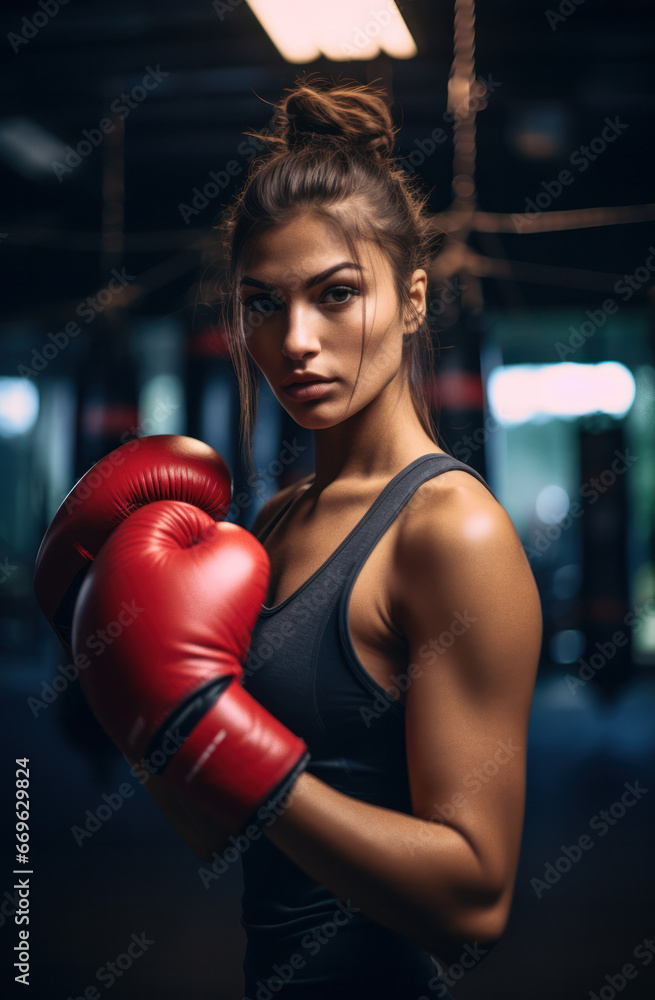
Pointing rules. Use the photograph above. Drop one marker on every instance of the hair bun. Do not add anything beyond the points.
(354, 113)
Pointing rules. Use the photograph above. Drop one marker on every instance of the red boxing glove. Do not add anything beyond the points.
(161, 467)
(182, 594)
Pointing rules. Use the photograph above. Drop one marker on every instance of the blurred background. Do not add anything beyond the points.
(121, 137)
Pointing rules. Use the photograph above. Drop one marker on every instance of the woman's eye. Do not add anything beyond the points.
(341, 290)
(263, 304)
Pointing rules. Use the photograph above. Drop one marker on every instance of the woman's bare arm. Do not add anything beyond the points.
(469, 607)
(198, 830)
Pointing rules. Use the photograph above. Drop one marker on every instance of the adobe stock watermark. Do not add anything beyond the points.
(266, 815)
(466, 446)
(475, 780)
(263, 651)
(580, 158)
(616, 982)
(310, 602)
(449, 292)
(87, 309)
(590, 491)
(601, 822)
(9, 905)
(120, 106)
(311, 944)
(481, 88)
(111, 802)
(605, 651)
(563, 13)
(366, 32)
(430, 651)
(247, 150)
(625, 287)
(30, 26)
(218, 181)
(7, 570)
(225, 7)
(110, 972)
(451, 974)
(286, 456)
(129, 441)
(97, 642)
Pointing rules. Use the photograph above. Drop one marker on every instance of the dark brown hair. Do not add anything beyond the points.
(330, 141)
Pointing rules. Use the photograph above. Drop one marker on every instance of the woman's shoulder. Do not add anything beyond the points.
(458, 548)
(270, 510)
(452, 514)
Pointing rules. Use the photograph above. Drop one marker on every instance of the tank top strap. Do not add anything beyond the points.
(271, 524)
(345, 561)
(393, 498)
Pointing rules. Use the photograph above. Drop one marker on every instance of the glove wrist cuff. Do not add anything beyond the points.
(239, 760)
(265, 814)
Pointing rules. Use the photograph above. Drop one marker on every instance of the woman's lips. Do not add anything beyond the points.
(308, 390)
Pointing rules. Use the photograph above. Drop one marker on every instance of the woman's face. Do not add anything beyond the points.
(303, 302)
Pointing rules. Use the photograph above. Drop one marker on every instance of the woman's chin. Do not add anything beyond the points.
(315, 415)
(313, 421)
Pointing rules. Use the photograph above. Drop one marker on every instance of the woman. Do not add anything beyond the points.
(401, 631)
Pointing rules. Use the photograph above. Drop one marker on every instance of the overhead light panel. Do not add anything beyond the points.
(521, 393)
(303, 30)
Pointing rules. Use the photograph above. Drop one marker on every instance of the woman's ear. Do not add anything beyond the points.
(418, 297)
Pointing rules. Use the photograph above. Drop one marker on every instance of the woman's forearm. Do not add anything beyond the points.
(200, 832)
(418, 878)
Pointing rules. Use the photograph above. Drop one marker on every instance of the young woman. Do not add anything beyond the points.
(401, 631)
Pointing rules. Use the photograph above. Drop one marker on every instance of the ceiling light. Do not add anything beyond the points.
(303, 30)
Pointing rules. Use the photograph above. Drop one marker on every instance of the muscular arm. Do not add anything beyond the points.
(469, 607)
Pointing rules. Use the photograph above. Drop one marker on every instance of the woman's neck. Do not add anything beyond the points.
(377, 441)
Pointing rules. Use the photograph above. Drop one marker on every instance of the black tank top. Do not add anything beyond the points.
(303, 668)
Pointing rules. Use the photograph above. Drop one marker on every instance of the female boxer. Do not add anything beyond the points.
(401, 630)
(381, 719)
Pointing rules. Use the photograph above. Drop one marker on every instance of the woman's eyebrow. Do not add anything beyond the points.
(315, 280)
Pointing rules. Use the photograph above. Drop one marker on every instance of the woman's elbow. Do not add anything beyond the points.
(483, 923)
(487, 925)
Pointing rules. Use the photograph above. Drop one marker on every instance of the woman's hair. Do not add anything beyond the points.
(328, 142)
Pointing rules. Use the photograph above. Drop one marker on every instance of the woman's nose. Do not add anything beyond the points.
(300, 336)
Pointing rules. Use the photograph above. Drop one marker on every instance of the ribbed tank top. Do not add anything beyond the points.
(303, 668)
